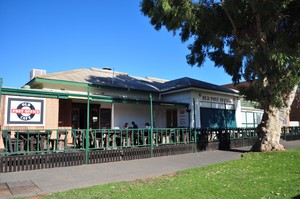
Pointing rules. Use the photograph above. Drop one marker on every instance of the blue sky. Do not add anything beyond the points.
(60, 35)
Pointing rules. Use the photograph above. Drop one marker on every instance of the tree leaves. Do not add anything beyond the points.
(251, 39)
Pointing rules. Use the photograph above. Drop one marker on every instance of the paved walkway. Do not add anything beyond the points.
(30, 183)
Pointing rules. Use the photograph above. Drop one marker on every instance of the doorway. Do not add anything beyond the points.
(172, 118)
(79, 116)
(105, 118)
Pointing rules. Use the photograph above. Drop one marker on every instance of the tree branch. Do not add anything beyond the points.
(262, 36)
(234, 28)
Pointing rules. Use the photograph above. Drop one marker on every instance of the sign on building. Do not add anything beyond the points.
(24, 111)
(183, 122)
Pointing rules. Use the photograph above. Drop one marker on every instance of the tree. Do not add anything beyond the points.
(255, 40)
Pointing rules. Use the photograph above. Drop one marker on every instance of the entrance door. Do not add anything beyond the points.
(75, 118)
(172, 118)
(65, 106)
(79, 116)
(94, 117)
(105, 118)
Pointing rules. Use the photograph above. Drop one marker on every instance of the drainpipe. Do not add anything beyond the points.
(151, 127)
(87, 133)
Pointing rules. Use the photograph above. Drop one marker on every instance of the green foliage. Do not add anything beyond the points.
(251, 39)
(256, 175)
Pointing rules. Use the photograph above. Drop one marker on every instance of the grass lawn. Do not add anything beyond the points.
(256, 175)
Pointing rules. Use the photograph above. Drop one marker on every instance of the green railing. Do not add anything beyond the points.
(215, 135)
(33, 141)
(55, 140)
(46, 141)
(290, 133)
(124, 138)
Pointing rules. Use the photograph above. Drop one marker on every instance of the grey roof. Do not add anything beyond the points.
(187, 82)
(123, 80)
(129, 82)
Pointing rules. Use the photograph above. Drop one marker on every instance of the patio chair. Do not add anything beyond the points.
(59, 140)
(7, 141)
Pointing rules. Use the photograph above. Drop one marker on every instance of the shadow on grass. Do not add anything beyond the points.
(237, 150)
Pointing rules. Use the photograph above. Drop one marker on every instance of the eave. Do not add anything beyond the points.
(235, 94)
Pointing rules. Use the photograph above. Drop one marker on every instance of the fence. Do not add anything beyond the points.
(290, 133)
(29, 150)
(53, 141)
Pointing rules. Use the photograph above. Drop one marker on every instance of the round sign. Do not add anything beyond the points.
(28, 111)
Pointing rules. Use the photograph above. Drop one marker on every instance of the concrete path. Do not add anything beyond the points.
(30, 183)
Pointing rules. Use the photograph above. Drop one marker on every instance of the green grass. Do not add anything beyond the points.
(256, 175)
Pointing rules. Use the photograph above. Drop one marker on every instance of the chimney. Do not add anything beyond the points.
(36, 73)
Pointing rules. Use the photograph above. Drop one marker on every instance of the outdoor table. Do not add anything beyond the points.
(116, 137)
(60, 141)
(165, 137)
(35, 139)
(135, 135)
(111, 137)
(128, 138)
(186, 136)
(145, 136)
(77, 138)
(156, 137)
(97, 138)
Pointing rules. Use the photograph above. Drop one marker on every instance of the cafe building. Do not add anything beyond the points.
(92, 98)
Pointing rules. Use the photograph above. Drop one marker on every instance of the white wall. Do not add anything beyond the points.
(160, 119)
(182, 115)
(139, 113)
(238, 114)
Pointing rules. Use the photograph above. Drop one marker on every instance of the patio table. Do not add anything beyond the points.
(79, 138)
(59, 142)
(35, 140)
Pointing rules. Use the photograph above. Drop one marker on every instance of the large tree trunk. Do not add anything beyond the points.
(269, 130)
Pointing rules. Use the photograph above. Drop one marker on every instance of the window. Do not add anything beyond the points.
(251, 119)
(217, 118)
